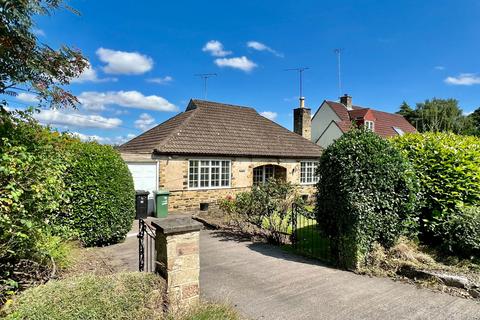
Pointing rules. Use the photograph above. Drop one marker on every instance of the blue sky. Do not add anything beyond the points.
(144, 55)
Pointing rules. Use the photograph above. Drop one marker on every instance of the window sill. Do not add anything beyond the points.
(208, 188)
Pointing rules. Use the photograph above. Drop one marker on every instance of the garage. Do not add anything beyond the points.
(145, 177)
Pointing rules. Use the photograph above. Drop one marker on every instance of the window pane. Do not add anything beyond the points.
(204, 174)
(225, 173)
(215, 176)
(303, 166)
(193, 174)
(257, 175)
(269, 172)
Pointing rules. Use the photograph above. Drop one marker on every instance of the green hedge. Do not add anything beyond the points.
(102, 205)
(366, 193)
(448, 168)
(460, 233)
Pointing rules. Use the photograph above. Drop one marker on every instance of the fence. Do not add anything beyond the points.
(306, 237)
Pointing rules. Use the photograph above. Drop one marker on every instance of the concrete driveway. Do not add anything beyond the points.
(264, 282)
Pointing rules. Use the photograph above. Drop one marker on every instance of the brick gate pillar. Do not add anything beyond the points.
(178, 260)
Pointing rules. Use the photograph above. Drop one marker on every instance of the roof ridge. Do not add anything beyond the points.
(178, 128)
(221, 104)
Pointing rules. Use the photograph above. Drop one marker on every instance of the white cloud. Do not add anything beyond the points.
(121, 62)
(27, 97)
(242, 63)
(38, 32)
(439, 68)
(57, 117)
(92, 100)
(464, 79)
(263, 47)
(161, 80)
(104, 140)
(215, 48)
(89, 74)
(269, 115)
(144, 122)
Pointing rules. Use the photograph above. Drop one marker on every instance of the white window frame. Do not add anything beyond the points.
(369, 125)
(209, 187)
(264, 176)
(313, 179)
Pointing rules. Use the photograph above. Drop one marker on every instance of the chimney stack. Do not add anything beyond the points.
(302, 120)
(346, 100)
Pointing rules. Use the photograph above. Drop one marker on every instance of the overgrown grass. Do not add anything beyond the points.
(130, 295)
(117, 296)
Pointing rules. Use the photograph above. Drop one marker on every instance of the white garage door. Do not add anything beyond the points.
(145, 177)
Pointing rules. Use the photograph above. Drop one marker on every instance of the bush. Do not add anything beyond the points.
(366, 193)
(33, 161)
(460, 232)
(267, 206)
(448, 169)
(102, 205)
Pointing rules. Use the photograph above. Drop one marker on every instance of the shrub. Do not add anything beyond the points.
(267, 206)
(102, 205)
(33, 161)
(448, 169)
(460, 232)
(366, 193)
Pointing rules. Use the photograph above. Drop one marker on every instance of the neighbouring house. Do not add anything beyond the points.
(332, 119)
(212, 150)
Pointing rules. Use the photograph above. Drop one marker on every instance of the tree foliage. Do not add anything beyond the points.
(26, 63)
(366, 193)
(437, 115)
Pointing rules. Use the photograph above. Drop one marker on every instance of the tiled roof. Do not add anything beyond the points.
(384, 122)
(211, 128)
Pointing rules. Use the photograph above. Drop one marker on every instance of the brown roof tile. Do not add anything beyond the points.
(211, 128)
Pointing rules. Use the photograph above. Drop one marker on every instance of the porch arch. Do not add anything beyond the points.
(262, 173)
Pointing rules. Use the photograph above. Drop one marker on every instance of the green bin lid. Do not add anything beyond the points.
(162, 192)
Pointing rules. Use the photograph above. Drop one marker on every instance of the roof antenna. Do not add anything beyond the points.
(338, 52)
(205, 77)
(300, 71)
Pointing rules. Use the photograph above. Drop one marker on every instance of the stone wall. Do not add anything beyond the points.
(173, 176)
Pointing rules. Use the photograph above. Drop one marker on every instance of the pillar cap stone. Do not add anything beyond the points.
(172, 225)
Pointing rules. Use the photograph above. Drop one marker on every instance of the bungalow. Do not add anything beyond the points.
(212, 150)
(332, 119)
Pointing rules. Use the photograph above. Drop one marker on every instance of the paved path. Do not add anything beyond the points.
(264, 282)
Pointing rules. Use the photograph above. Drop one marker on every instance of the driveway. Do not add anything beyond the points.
(264, 282)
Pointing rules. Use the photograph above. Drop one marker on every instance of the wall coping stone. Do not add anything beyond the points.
(172, 225)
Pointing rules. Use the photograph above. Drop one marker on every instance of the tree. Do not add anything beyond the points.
(437, 115)
(474, 119)
(408, 113)
(29, 65)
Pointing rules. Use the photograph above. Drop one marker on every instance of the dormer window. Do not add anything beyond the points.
(369, 125)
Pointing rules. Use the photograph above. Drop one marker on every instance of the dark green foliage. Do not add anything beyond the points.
(366, 194)
(448, 169)
(460, 232)
(102, 205)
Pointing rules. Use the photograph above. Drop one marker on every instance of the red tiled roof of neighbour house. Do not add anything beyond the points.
(384, 122)
(212, 128)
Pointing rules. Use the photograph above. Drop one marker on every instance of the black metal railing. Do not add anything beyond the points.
(146, 247)
(306, 236)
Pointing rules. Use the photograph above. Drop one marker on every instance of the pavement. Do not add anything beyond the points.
(265, 282)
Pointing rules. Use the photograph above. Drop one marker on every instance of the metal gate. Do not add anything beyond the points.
(306, 237)
(146, 247)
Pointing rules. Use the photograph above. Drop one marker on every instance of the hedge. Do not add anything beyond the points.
(448, 168)
(366, 193)
(102, 205)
